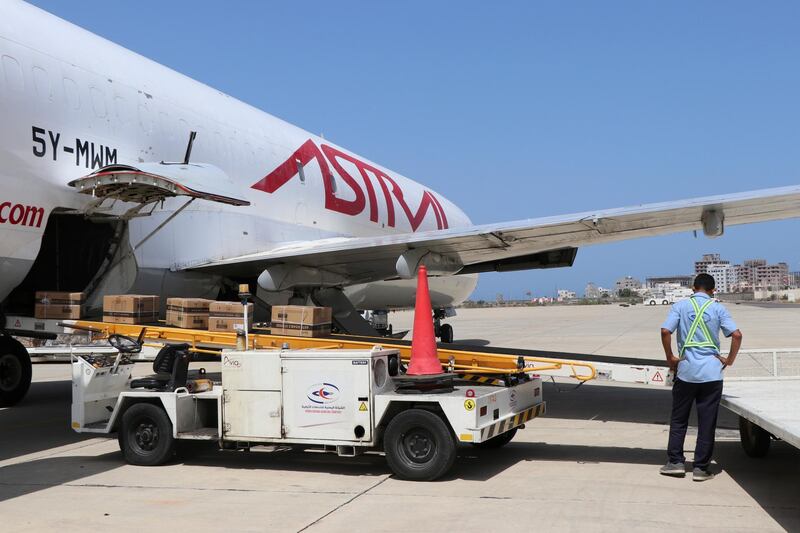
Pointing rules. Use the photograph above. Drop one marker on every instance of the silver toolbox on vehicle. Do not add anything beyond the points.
(308, 395)
(252, 370)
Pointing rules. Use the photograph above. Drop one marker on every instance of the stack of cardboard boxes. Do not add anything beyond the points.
(229, 316)
(131, 309)
(193, 313)
(52, 304)
(301, 320)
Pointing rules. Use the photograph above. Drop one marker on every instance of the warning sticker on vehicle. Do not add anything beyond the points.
(363, 406)
(469, 404)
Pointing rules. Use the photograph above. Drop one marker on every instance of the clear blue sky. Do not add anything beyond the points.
(517, 109)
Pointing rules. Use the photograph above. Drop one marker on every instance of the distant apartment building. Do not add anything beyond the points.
(628, 282)
(665, 287)
(565, 294)
(701, 266)
(794, 280)
(752, 274)
(594, 291)
(746, 274)
(724, 276)
(772, 276)
(758, 274)
(681, 281)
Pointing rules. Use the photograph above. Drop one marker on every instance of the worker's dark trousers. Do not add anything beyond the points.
(707, 396)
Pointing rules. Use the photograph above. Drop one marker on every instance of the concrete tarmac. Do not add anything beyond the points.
(591, 464)
(604, 329)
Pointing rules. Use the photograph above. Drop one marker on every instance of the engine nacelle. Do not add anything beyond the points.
(437, 264)
(284, 277)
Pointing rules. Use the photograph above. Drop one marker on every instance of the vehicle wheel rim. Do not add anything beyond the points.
(146, 436)
(418, 445)
(10, 372)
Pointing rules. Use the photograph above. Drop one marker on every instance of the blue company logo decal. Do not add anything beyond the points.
(323, 393)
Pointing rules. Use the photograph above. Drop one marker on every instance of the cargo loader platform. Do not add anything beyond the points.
(771, 405)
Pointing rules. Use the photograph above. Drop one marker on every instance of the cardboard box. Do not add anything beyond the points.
(228, 316)
(58, 304)
(57, 311)
(301, 320)
(217, 323)
(130, 309)
(187, 320)
(59, 298)
(189, 305)
(188, 312)
(229, 309)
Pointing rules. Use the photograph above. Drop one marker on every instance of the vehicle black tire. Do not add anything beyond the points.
(145, 436)
(15, 371)
(652, 302)
(446, 333)
(755, 440)
(419, 445)
(664, 302)
(497, 442)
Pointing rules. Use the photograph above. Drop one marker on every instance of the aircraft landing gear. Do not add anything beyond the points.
(443, 331)
(446, 333)
(380, 321)
(15, 371)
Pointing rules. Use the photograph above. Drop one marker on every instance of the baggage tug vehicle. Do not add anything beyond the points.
(347, 401)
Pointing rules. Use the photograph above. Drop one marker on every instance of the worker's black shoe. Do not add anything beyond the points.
(701, 474)
(673, 469)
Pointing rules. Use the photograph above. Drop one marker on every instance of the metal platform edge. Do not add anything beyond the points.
(738, 407)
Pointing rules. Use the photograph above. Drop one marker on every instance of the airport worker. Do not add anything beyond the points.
(698, 373)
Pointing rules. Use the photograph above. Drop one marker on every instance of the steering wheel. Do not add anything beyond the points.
(124, 344)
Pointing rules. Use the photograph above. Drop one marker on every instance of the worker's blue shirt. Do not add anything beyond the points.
(699, 363)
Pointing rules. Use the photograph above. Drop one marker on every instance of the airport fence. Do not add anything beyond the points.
(766, 363)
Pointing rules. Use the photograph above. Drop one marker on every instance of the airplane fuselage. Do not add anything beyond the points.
(72, 102)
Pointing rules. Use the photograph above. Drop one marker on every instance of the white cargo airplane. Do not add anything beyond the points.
(87, 201)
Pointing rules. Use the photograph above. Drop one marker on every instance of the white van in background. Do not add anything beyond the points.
(670, 297)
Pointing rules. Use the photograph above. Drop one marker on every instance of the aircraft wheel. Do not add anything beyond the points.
(145, 437)
(419, 445)
(755, 440)
(446, 333)
(497, 442)
(15, 371)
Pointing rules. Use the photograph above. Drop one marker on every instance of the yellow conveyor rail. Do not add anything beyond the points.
(469, 363)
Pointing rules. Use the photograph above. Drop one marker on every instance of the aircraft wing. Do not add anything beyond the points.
(525, 244)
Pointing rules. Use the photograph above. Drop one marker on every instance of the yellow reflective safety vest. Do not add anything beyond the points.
(698, 326)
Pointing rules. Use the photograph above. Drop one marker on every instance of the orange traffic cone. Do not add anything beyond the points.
(424, 359)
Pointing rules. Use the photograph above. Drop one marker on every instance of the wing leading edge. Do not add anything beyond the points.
(533, 243)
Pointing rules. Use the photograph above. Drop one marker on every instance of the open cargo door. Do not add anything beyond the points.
(151, 183)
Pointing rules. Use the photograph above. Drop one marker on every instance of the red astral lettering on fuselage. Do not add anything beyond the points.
(391, 191)
(21, 215)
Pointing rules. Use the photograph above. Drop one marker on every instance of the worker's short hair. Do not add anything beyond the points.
(705, 282)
